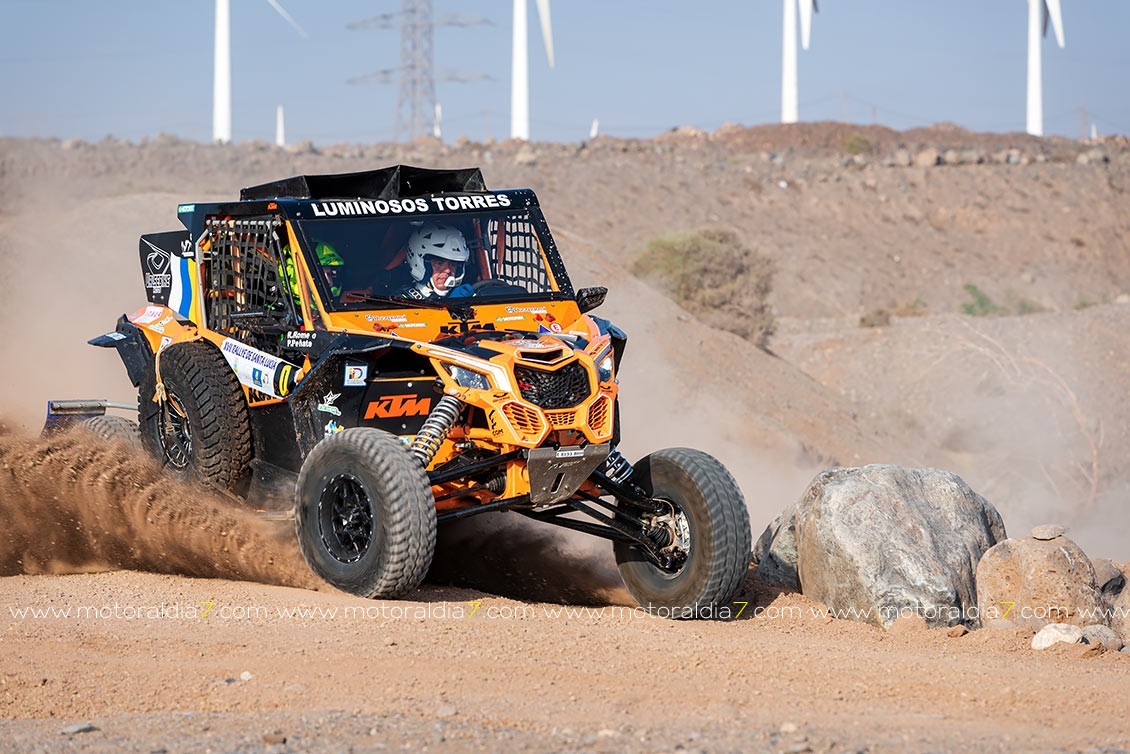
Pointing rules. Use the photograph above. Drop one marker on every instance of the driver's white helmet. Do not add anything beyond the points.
(437, 240)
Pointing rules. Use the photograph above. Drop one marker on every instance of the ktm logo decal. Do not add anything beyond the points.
(395, 406)
(464, 325)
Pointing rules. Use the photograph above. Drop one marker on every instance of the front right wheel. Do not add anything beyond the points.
(705, 530)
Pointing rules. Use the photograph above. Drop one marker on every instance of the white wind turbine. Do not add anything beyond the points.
(1039, 13)
(221, 71)
(520, 66)
(788, 53)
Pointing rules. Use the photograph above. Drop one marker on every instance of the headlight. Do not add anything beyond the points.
(465, 377)
(604, 365)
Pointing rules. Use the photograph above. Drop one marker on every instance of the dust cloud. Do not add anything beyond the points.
(74, 504)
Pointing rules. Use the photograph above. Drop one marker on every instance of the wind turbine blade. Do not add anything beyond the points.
(806, 8)
(286, 17)
(546, 29)
(1054, 12)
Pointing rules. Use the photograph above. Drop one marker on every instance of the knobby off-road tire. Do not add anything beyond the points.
(203, 430)
(114, 429)
(701, 488)
(365, 514)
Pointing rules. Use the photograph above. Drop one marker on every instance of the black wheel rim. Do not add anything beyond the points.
(176, 434)
(345, 515)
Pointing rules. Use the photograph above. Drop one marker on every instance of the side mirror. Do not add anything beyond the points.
(590, 298)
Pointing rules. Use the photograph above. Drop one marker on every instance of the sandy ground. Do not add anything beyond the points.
(1030, 410)
(460, 670)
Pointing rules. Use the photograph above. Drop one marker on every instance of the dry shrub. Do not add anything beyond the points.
(714, 276)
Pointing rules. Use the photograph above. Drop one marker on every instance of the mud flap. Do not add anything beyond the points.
(556, 473)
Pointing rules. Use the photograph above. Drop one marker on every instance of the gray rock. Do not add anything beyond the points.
(880, 542)
(1056, 633)
(775, 552)
(951, 157)
(927, 158)
(1100, 634)
(903, 158)
(1048, 531)
(71, 730)
(1126, 649)
(1109, 578)
(1120, 616)
(1050, 580)
(445, 710)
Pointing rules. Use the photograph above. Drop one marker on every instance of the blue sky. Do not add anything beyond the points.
(133, 68)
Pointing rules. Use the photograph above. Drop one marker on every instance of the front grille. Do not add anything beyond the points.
(563, 388)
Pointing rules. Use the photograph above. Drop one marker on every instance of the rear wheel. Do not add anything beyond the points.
(705, 526)
(202, 429)
(114, 429)
(365, 515)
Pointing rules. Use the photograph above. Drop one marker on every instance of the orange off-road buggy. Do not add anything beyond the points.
(286, 357)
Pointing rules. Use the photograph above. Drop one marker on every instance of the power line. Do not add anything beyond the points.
(416, 103)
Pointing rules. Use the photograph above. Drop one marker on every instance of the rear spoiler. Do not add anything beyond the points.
(387, 183)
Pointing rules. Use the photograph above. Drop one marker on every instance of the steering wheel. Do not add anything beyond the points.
(494, 285)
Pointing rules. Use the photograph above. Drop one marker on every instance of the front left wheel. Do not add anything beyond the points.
(365, 515)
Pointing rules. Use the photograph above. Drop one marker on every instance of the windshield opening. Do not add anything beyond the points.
(361, 263)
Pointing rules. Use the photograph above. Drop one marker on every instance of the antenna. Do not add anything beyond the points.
(520, 65)
(416, 106)
(221, 71)
(1040, 12)
(789, 52)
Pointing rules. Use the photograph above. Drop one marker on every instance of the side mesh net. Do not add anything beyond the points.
(244, 287)
(517, 259)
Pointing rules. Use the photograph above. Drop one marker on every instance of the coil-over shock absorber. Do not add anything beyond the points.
(617, 467)
(436, 427)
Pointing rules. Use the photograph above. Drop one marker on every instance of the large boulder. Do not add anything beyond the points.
(879, 542)
(1045, 578)
(1120, 613)
(775, 552)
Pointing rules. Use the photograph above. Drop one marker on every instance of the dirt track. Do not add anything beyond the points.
(530, 682)
(1030, 410)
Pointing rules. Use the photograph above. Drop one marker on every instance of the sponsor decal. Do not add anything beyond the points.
(166, 341)
(511, 318)
(333, 428)
(186, 208)
(569, 453)
(533, 344)
(259, 370)
(526, 309)
(160, 326)
(396, 406)
(386, 317)
(151, 314)
(356, 374)
(554, 327)
(409, 206)
(327, 405)
(409, 325)
(234, 349)
(114, 335)
(157, 275)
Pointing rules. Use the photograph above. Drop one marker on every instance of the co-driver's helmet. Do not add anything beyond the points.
(331, 263)
(437, 240)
